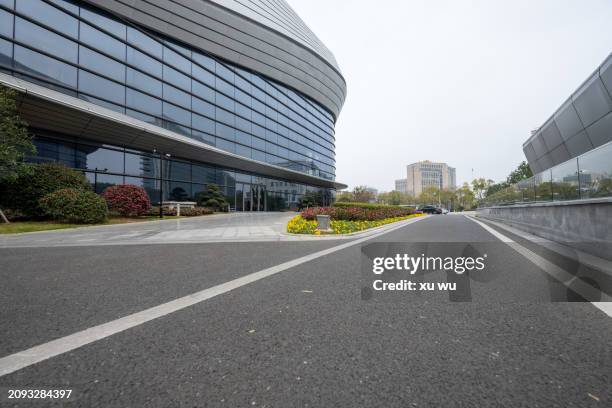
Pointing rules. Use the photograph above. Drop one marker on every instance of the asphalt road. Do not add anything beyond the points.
(305, 336)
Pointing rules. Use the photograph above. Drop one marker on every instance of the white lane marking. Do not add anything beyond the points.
(36, 354)
(577, 285)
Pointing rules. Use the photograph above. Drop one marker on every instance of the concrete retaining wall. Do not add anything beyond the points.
(584, 224)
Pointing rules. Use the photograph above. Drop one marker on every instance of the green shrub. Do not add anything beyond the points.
(370, 206)
(36, 181)
(212, 197)
(74, 206)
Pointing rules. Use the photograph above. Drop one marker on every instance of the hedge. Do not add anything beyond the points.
(369, 206)
(36, 181)
(356, 213)
(74, 206)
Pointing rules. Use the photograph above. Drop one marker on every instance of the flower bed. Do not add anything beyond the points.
(301, 225)
(356, 213)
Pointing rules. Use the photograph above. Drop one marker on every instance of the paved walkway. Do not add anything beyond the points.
(234, 227)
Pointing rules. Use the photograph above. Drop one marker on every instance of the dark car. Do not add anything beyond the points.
(430, 209)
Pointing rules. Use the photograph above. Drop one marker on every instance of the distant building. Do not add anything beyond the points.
(401, 185)
(423, 174)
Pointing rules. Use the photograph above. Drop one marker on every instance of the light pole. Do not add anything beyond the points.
(161, 181)
(96, 170)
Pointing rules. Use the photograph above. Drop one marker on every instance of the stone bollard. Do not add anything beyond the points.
(323, 223)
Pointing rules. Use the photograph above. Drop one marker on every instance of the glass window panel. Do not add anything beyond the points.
(592, 101)
(6, 23)
(65, 4)
(259, 156)
(145, 118)
(203, 174)
(42, 39)
(101, 64)
(177, 96)
(226, 145)
(244, 138)
(50, 16)
(596, 173)
(175, 77)
(101, 88)
(174, 127)
(177, 61)
(178, 191)
(44, 67)
(202, 91)
(144, 82)
(204, 137)
(202, 107)
(6, 53)
(98, 20)
(179, 170)
(224, 116)
(565, 181)
(243, 124)
(243, 151)
(258, 143)
(202, 123)
(543, 191)
(224, 101)
(204, 60)
(105, 160)
(176, 114)
(144, 42)
(203, 75)
(102, 42)
(144, 62)
(226, 178)
(223, 131)
(103, 103)
(141, 165)
(144, 103)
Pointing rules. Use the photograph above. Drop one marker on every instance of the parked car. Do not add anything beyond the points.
(430, 209)
(444, 211)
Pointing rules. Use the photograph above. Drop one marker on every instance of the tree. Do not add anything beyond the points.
(344, 196)
(480, 186)
(361, 194)
(522, 172)
(15, 141)
(465, 197)
(212, 197)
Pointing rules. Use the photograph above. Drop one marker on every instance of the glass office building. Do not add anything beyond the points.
(174, 102)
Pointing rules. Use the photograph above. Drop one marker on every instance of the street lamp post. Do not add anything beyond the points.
(161, 182)
(96, 170)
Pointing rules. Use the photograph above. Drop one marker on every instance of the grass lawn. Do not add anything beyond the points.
(32, 226)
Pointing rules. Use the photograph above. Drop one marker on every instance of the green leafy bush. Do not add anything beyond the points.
(74, 206)
(35, 181)
(369, 206)
(212, 197)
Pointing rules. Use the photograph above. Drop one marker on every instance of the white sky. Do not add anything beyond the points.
(458, 81)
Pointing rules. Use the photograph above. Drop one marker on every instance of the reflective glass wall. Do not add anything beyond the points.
(587, 176)
(83, 52)
(106, 165)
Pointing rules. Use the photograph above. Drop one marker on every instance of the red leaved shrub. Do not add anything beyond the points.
(127, 199)
(355, 213)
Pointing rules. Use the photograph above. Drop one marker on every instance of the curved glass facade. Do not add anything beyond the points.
(88, 54)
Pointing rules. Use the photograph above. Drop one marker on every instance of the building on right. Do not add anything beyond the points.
(423, 174)
(582, 123)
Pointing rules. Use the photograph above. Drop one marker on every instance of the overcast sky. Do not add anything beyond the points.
(458, 81)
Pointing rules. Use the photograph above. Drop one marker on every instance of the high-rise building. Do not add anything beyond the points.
(177, 94)
(423, 174)
(401, 185)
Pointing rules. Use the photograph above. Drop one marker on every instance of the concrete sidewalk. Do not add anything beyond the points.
(233, 227)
